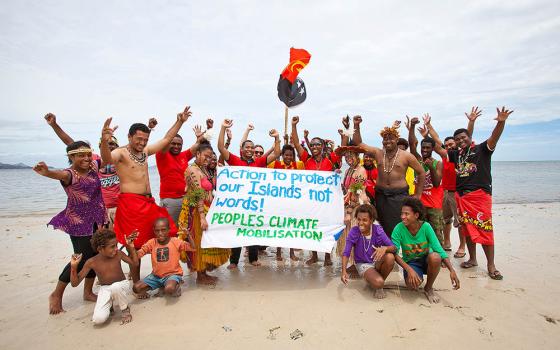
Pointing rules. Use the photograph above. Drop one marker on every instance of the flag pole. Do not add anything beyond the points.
(286, 139)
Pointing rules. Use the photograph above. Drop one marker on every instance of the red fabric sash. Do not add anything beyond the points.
(475, 214)
(135, 211)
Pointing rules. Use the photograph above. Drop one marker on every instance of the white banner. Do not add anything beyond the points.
(273, 207)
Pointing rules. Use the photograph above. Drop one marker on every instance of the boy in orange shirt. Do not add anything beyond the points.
(166, 273)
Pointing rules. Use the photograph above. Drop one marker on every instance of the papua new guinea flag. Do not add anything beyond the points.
(299, 58)
(291, 94)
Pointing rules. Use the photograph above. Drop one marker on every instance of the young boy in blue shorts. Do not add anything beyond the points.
(167, 273)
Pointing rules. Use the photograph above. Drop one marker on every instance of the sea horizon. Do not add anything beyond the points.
(25, 193)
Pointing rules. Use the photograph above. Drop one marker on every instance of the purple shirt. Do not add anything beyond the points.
(363, 247)
(84, 206)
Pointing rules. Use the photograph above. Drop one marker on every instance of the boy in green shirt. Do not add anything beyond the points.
(422, 253)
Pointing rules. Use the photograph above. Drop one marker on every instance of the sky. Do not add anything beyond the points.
(131, 60)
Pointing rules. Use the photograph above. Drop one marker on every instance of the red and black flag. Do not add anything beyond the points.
(291, 89)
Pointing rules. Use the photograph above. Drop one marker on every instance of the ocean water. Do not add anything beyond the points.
(25, 193)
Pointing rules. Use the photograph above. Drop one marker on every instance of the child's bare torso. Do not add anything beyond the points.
(108, 270)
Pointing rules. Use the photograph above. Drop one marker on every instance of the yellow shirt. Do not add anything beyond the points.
(280, 165)
(410, 180)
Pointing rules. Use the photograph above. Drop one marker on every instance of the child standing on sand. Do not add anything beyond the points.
(107, 265)
(167, 273)
(422, 253)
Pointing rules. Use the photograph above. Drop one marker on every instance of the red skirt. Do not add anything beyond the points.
(135, 211)
(475, 215)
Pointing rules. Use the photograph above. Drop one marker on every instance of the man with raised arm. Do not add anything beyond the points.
(432, 195)
(474, 191)
(448, 181)
(317, 161)
(110, 182)
(136, 207)
(391, 188)
(246, 159)
(171, 163)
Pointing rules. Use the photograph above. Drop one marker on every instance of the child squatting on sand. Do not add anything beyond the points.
(373, 250)
(107, 265)
(422, 253)
(167, 274)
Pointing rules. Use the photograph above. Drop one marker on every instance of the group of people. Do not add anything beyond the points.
(415, 199)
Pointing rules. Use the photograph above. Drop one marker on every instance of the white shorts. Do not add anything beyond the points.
(363, 267)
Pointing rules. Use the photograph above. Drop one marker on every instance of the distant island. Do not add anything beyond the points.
(14, 166)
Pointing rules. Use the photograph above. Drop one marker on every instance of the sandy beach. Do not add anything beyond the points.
(260, 307)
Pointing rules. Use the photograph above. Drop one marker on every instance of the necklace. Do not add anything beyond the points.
(137, 159)
(366, 244)
(385, 161)
(203, 170)
(463, 158)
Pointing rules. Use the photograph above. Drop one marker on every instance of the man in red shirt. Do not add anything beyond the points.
(246, 159)
(317, 161)
(171, 163)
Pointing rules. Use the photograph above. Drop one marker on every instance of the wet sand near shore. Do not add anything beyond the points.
(262, 307)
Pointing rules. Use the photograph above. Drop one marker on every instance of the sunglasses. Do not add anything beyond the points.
(258, 152)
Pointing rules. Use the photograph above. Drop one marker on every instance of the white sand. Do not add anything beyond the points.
(482, 314)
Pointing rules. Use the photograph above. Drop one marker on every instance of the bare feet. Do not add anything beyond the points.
(232, 266)
(177, 292)
(143, 295)
(279, 257)
(256, 263)
(294, 257)
(312, 260)
(432, 297)
(160, 293)
(353, 272)
(204, 279)
(55, 305)
(90, 297)
(328, 262)
(379, 293)
(126, 316)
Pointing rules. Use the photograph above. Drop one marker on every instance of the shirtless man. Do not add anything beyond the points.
(391, 188)
(136, 208)
(110, 183)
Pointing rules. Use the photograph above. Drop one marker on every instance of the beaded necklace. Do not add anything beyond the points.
(385, 161)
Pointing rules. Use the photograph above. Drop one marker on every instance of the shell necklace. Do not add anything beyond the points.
(137, 159)
(385, 161)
